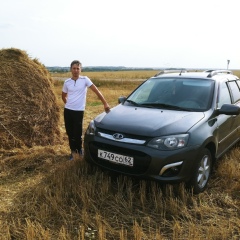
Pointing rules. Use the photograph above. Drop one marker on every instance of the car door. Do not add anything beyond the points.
(226, 123)
(235, 92)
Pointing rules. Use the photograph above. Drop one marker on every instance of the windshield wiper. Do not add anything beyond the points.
(132, 102)
(165, 106)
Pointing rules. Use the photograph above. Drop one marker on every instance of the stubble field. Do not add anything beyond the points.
(45, 196)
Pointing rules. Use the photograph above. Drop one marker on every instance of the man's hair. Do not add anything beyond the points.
(76, 62)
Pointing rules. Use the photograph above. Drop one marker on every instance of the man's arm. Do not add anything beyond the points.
(101, 97)
(64, 97)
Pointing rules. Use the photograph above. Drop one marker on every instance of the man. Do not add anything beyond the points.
(74, 93)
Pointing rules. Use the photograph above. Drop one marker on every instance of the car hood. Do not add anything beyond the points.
(147, 121)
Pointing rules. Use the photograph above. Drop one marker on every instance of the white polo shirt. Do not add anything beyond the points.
(76, 92)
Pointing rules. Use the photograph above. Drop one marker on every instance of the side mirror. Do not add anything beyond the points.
(121, 99)
(229, 109)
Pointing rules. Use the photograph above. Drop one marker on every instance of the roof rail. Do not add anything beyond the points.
(180, 71)
(215, 72)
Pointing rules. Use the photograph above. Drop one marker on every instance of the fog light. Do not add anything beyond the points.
(175, 169)
(171, 169)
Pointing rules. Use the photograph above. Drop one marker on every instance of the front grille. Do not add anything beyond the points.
(141, 160)
(126, 135)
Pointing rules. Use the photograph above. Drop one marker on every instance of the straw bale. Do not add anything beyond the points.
(29, 114)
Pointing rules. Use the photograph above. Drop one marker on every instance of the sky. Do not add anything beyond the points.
(130, 33)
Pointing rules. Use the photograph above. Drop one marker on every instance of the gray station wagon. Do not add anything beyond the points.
(172, 128)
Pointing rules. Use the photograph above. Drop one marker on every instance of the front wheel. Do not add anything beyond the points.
(201, 172)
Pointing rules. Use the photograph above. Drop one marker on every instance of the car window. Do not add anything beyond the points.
(238, 83)
(194, 94)
(224, 95)
(142, 93)
(235, 91)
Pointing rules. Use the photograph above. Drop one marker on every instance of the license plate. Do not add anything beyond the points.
(116, 158)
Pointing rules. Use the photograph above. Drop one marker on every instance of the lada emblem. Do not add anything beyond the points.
(118, 136)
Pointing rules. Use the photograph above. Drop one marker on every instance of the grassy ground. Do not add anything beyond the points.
(45, 196)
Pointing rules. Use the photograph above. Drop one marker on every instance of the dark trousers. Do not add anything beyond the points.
(73, 125)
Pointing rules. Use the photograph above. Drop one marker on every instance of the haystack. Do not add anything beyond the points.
(29, 114)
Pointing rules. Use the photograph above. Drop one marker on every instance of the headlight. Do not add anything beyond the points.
(169, 142)
(91, 128)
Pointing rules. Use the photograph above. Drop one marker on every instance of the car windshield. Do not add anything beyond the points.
(174, 93)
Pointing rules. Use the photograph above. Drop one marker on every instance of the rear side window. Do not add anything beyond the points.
(234, 87)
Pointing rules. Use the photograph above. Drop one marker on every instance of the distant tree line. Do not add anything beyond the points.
(58, 69)
(98, 69)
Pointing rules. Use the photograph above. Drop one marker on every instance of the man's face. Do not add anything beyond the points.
(76, 70)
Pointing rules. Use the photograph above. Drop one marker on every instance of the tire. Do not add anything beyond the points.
(201, 172)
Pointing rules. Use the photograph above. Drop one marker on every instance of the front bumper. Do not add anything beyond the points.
(164, 166)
